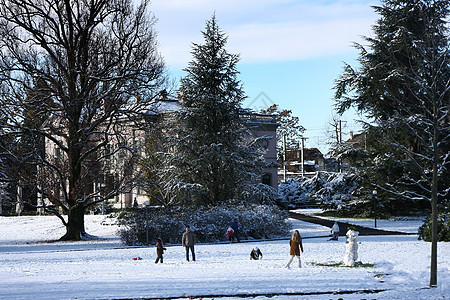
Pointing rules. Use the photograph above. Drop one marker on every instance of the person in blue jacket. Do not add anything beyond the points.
(235, 226)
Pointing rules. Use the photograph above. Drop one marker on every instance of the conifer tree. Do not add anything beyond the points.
(404, 85)
(213, 160)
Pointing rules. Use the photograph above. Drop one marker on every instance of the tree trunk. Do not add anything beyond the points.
(434, 200)
(75, 224)
(433, 267)
(434, 180)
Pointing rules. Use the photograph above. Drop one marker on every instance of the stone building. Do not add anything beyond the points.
(104, 178)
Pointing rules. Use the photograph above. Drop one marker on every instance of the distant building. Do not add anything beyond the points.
(104, 178)
(293, 167)
(357, 140)
(259, 125)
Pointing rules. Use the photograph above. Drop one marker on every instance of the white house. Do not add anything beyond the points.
(106, 177)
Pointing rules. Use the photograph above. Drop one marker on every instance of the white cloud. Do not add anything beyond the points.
(264, 30)
(294, 41)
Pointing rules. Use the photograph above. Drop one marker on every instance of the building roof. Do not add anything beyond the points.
(356, 139)
(162, 106)
(308, 153)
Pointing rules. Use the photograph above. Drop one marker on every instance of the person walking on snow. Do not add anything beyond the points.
(188, 241)
(235, 226)
(335, 232)
(230, 232)
(159, 250)
(295, 245)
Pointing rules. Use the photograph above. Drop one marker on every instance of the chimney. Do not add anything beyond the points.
(163, 95)
(351, 135)
(180, 96)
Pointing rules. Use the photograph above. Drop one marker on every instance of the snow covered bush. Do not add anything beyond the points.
(258, 193)
(295, 194)
(343, 194)
(329, 190)
(443, 228)
(161, 223)
(334, 191)
(209, 223)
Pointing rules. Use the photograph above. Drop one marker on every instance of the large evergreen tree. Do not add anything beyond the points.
(211, 160)
(404, 84)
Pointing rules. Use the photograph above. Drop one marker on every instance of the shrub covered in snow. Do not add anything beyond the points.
(332, 191)
(335, 191)
(343, 193)
(295, 194)
(443, 228)
(209, 223)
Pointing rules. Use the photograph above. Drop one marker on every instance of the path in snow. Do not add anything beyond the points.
(329, 223)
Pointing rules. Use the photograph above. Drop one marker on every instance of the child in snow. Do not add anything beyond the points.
(230, 232)
(335, 232)
(256, 254)
(159, 250)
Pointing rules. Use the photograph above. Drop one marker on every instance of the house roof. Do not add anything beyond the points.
(357, 138)
(308, 154)
(313, 152)
(162, 106)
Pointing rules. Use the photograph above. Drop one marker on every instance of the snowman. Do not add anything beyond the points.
(351, 253)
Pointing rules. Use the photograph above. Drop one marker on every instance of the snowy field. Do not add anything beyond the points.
(31, 267)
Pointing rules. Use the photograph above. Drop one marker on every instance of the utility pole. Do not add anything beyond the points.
(284, 157)
(339, 138)
(1, 199)
(303, 154)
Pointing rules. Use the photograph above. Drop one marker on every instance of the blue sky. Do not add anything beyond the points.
(291, 51)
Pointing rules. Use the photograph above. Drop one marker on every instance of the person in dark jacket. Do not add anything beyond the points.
(159, 250)
(188, 241)
(235, 226)
(256, 254)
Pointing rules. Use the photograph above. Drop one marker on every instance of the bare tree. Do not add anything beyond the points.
(290, 127)
(88, 68)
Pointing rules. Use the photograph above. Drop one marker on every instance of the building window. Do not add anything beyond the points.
(267, 179)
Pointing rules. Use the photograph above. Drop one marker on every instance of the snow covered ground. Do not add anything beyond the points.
(31, 267)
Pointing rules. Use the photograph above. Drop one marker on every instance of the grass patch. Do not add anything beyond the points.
(327, 264)
(341, 264)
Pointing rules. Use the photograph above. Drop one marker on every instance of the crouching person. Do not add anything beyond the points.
(256, 254)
